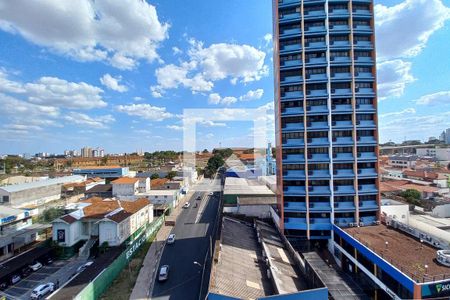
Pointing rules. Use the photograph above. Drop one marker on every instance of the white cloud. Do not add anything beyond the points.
(118, 32)
(145, 111)
(113, 83)
(175, 127)
(209, 136)
(406, 112)
(9, 86)
(242, 63)
(268, 37)
(215, 98)
(439, 98)
(176, 50)
(137, 98)
(252, 95)
(404, 29)
(393, 76)
(99, 122)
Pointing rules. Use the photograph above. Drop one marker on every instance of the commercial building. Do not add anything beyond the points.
(102, 171)
(441, 154)
(403, 161)
(325, 116)
(108, 220)
(35, 193)
(125, 186)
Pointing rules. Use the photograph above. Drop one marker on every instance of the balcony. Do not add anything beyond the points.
(368, 205)
(340, 44)
(317, 93)
(369, 124)
(335, 60)
(341, 76)
(294, 190)
(319, 174)
(369, 140)
(364, 59)
(319, 224)
(342, 141)
(344, 190)
(344, 108)
(294, 143)
(367, 156)
(290, 80)
(289, 18)
(342, 124)
(294, 174)
(317, 125)
(343, 173)
(365, 108)
(295, 223)
(292, 95)
(294, 206)
(322, 77)
(318, 158)
(319, 190)
(344, 206)
(290, 48)
(288, 111)
(315, 45)
(338, 12)
(363, 45)
(318, 142)
(368, 220)
(290, 64)
(319, 206)
(315, 29)
(362, 28)
(293, 127)
(294, 158)
(287, 3)
(364, 91)
(363, 75)
(313, 14)
(361, 13)
(313, 61)
(343, 222)
(292, 32)
(316, 109)
(341, 92)
(343, 157)
(367, 173)
(367, 189)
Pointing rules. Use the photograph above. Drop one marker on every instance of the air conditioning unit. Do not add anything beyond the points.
(376, 222)
(351, 224)
(361, 224)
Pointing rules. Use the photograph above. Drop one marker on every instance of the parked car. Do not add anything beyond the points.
(48, 260)
(35, 266)
(3, 286)
(163, 273)
(84, 266)
(186, 205)
(43, 289)
(210, 193)
(15, 279)
(171, 238)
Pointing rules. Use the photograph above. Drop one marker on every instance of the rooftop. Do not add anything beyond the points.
(99, 168)
(42, 183)
(403, 251)
(125, 180)
(100, 188)
(157, 182)
(242, 186)
(240, 271)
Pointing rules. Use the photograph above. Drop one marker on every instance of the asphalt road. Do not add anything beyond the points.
(193, 230)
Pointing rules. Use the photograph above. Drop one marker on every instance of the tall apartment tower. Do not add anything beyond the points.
(326, 116)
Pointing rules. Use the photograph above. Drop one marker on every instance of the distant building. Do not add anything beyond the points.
(111, 221)
(441, 154)
(86, 152)
(402, 161)
(102, 171)
(125, 186)
(35, 193)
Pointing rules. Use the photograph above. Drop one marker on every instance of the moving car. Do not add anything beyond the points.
(210, 193)
(186, 205)
(83, 267)
(35, 266)
(48, 260)
(26, 271)
(15, 279)
(171, 238)
(43, 289)
(163, 273)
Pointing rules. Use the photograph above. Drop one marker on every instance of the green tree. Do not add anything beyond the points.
(171, 175)
(412, 196)
(154, 176)
(50, 214)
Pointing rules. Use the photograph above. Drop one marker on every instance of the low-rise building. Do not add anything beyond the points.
(107, 172)
(36, 193)
(108, 220)
(125, 186)
(402, 161)
(441, 154)
(169, 197)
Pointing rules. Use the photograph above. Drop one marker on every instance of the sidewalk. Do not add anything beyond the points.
(144, 284)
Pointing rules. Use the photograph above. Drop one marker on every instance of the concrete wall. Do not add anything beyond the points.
(108, 233)
(259, 211)
(125, 189)
(72, 233)
(33, 197)
(398, 212)
(144, 185)
(442, 211)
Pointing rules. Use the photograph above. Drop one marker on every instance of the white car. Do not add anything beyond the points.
(36, 266)
(43, 289)
(163, 273)
(171, 238)
(210, 193)
(15, 279)
(186, 205)
(83, 267)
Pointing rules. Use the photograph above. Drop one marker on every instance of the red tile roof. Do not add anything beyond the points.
(125, 180)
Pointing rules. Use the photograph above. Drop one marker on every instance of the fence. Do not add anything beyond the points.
(96, 287)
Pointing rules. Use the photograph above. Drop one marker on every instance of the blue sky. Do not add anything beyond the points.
(118, 74)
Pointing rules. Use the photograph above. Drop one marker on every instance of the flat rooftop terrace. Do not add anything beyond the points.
(403, 251)
(240, 271)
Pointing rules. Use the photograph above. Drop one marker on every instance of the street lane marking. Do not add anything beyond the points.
(253, 284)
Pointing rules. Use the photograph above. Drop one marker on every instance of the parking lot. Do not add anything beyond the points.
(23, 288)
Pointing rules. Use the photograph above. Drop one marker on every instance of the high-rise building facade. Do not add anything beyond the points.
(326, 116)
